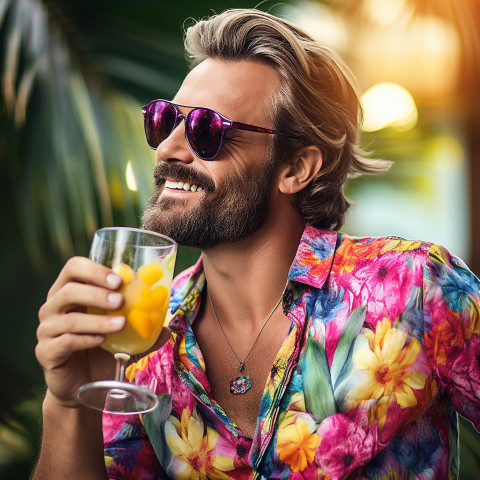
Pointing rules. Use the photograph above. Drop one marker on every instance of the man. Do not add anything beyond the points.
(375, 345)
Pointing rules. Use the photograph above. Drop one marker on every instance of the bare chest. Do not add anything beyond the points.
(222, 367)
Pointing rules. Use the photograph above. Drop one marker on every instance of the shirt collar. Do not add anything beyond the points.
(311, 266)
(314, 257)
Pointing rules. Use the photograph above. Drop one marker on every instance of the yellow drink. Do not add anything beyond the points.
(147, 295)
(145, 261)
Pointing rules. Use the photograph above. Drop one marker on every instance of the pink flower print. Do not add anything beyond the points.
(242, 452)
(384, 284)
(465, 369)
(182, 397)
(346, 444)
(154, 370)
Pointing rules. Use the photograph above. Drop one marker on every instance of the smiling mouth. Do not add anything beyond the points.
(185, 186)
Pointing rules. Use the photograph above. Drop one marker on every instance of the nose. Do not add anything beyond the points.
(175, 146)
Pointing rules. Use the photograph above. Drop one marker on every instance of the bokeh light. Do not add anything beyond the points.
(130, 177)
(388, 104)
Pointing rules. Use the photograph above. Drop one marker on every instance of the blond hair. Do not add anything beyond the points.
(317, 102)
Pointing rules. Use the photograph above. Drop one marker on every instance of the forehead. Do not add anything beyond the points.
(240, 90)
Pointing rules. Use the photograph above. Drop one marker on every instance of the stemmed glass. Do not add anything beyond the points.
(145, 261)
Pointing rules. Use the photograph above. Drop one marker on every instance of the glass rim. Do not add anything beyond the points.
(139, 230)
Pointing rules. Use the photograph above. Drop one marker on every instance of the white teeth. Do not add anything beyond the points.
(182, 186)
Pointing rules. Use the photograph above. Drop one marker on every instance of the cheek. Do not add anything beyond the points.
(236, 158)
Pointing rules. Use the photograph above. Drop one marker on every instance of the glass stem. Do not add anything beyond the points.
(122, 359)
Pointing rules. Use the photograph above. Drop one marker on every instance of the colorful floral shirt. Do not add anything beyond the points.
(382, 353)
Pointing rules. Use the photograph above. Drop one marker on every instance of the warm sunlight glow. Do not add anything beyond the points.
(322, 22)
(388, 105)
(130, 176)
(385, 11)
(422, 54)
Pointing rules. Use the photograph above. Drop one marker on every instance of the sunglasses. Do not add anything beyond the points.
(204, 128)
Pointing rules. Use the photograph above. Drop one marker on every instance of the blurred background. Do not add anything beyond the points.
(74, 76)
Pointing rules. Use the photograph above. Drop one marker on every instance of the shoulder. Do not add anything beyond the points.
(447, 276)
(372, 247)
(324, 241)
(429, 260)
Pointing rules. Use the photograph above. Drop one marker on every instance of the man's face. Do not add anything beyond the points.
(232, 197)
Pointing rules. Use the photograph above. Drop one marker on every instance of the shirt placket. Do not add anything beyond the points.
(297, 315)
(195, 381)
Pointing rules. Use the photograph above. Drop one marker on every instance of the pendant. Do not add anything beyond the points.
(240, 384)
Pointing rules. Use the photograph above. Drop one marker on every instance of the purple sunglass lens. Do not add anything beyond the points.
(205, 132)
(160, 122)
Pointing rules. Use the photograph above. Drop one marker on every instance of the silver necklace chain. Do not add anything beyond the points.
(241, 365)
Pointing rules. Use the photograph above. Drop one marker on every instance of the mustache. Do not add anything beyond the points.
(183, 174)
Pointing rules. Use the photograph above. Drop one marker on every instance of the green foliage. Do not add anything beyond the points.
(74, 76)
(319, 398)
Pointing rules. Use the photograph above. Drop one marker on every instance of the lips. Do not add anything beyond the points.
(175, 176)
(185, 186)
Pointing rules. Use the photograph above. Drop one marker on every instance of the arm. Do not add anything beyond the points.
(452, 330)
(68, 341)
(72, 443)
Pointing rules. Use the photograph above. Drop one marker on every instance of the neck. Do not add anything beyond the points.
(246, 279)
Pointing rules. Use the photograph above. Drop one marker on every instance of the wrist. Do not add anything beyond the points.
(69, 414)
(72, 442)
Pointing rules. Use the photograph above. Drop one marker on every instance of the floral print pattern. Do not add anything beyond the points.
(385, 366)
(382, 353)
(195, 454)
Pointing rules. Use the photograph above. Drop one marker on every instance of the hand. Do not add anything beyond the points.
(68, 337)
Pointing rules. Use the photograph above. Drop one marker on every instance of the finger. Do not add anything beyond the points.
(54, 352)
(84, 270)
(80, 323)
(74, 295)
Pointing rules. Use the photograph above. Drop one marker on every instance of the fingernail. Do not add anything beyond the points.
(114, 280)
(114, 298)
(117, 321)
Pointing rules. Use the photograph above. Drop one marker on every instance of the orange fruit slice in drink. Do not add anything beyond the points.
(126, 273)
(150, 273)
(158, 296)
(140, 322)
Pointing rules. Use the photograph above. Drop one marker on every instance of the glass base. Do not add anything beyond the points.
(120, 398)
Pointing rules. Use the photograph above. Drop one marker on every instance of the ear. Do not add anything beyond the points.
(296, 175)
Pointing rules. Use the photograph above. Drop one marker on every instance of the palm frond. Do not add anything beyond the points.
(73, 131)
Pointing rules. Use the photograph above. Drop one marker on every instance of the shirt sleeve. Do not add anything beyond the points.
(128, 451)
(452, 330)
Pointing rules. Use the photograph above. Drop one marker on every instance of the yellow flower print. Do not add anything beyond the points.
(474, 319)
(133, 368)
(278, 369)
(297, 402)
(194, 453)
(386, 363)
(296, 444)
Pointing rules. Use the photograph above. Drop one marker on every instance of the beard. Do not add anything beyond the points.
(228, 212)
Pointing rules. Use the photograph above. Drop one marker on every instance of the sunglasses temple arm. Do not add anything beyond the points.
(253, 128)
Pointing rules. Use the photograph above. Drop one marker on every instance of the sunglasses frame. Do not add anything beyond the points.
(226, 124)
